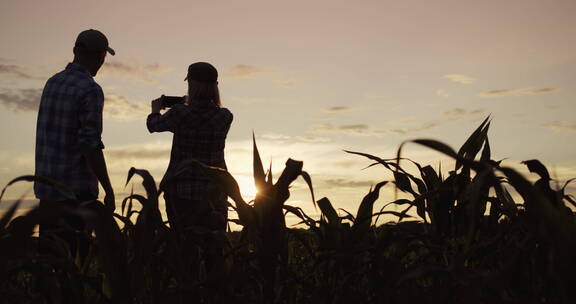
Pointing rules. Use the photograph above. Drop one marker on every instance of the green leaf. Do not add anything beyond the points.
(61, 188)
(403, 183)
(567, 183)
(112, 253)
(125, 220)
(270, 179)
(292, 170)
(486, 154)
(372, 157)
(431, 178)
(124, 201)
(363, 219)
(300, 214)
(308, 180)
(436, 145)
(147, 181)
(328, 211)
(474, 143)
(9, 214)
(420, 207)
(229, 185)
(259, 175)
(398, 214)
(537, 167)
(508, 205)
(140, 198)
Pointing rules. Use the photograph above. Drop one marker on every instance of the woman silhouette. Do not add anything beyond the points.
(200, 125)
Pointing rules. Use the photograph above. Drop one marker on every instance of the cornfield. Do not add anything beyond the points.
(468, 241)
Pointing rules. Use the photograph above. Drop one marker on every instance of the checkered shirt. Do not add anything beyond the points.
(69, 125)
(200, 134)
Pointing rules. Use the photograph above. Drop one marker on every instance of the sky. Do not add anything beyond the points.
(310, 79)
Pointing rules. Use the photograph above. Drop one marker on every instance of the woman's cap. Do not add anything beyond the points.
(94, 40)
(203, 72)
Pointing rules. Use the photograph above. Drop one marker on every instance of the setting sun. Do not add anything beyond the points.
(247, 187)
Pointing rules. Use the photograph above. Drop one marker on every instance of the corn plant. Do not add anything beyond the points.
(264, 227)
(469, 241)
(458, 226)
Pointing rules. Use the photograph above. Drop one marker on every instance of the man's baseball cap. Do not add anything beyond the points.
(202, 72)
(94, 40)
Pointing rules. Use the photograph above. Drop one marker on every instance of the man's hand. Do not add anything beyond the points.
(95, 159)
(157, 104)
(110, 200)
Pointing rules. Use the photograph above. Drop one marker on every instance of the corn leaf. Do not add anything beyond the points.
(7, 216)
(308, 181)
(486, 153)
(363, 219)
(473, 144)
(537, 167)
(403, 183)
(328, 211)
(61, 188)
(259, 176)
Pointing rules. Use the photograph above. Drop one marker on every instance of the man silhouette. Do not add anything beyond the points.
(68, 136)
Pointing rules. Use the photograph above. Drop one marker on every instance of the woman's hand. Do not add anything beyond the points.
(157, 104)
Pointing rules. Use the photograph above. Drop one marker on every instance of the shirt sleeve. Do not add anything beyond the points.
(90, 118)
(168, 121)
(229, 119)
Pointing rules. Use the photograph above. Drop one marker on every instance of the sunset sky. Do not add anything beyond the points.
(311, 79)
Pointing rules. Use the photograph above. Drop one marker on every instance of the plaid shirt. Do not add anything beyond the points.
(200, 134)
(69, 125)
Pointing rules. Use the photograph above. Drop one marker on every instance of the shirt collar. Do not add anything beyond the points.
(77, 67)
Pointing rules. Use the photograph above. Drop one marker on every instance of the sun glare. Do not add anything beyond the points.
(247, 188)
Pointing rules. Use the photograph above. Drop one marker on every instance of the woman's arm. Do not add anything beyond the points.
(157, 122)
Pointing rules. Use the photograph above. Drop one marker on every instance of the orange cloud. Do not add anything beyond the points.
(459, 78)
(517, 92)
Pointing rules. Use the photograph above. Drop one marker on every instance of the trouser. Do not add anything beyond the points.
(200, 225)
(63, 224)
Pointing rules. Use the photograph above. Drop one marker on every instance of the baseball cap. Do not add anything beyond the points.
(203, 72)
(94, 40)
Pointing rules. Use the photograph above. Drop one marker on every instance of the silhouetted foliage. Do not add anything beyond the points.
(471, 243)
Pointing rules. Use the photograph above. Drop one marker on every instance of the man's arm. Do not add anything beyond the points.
(90, 140)
(97, 163)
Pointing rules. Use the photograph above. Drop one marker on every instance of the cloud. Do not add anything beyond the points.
(459, 78)
(457, 112)
(331, 113)
(122, 108)
(517, 92)
(152, 156)
(376, 97)
(151, 152)
(245, 71)
(248, 100)
(353, 130)
(286, 83)
(348, 164)
(365, 130)
(135, 71)
(424, 127)
(339, 109)
(442, 93)
(289, 138)
(23, 100)
(116, 106)
(560, 126)
(12, 70)
(346, 183)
